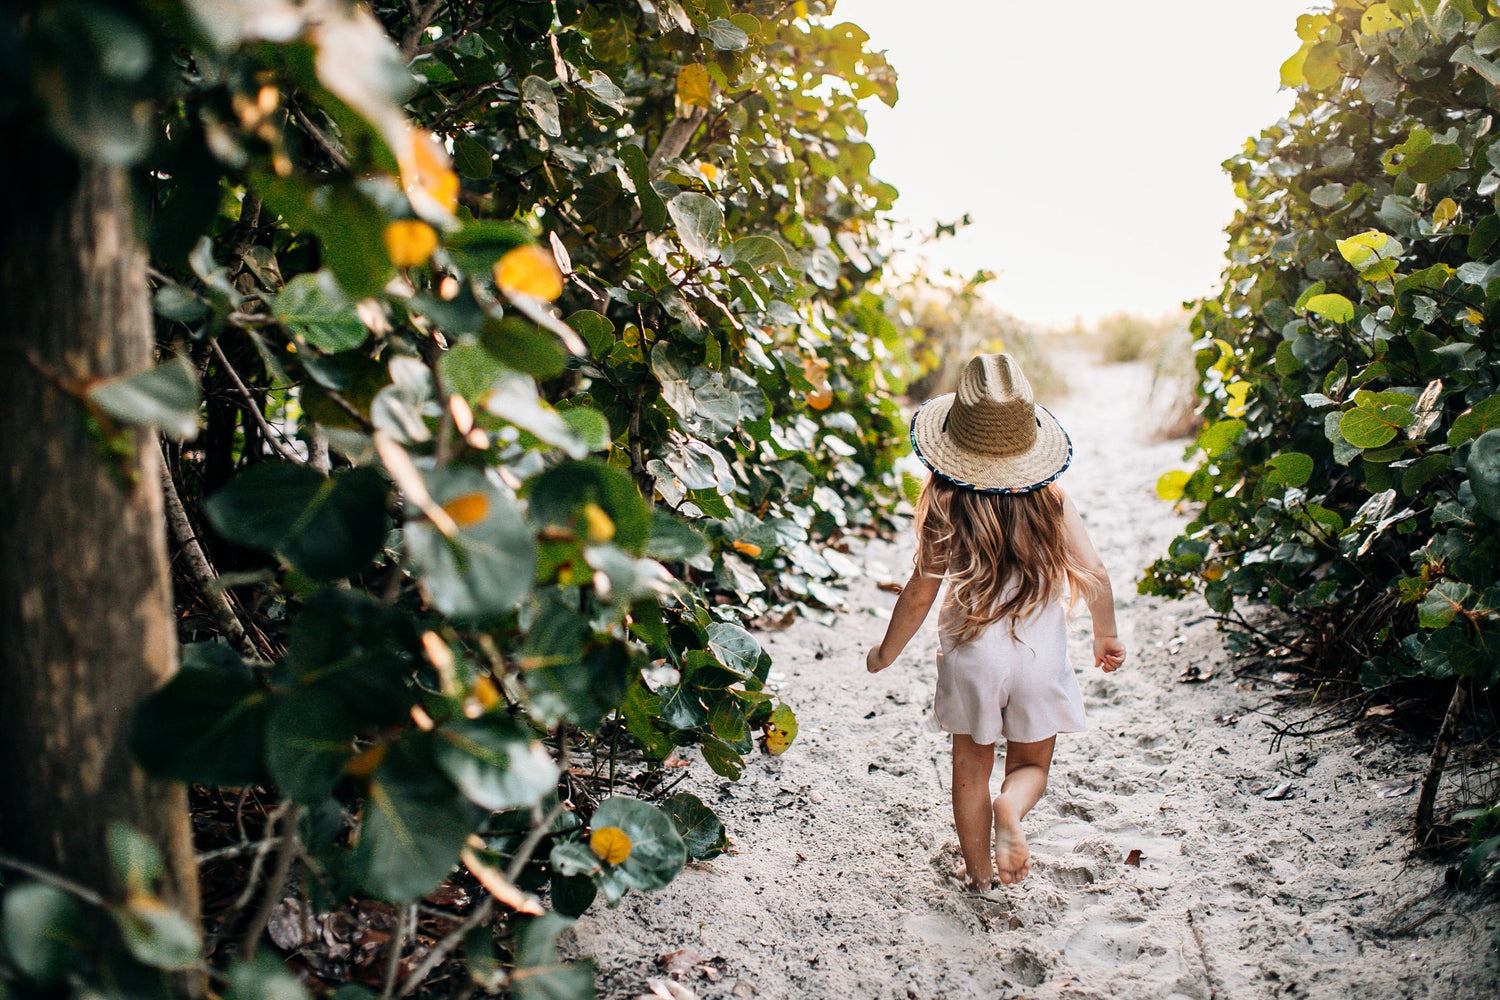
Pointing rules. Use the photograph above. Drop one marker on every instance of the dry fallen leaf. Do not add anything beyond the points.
(1281, 791)
(679, 962)
(1394, 789)
(1379, 711)
(889, 585)
(1134, 857)
(1194, 675)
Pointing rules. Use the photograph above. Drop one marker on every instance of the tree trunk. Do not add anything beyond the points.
(85, 606)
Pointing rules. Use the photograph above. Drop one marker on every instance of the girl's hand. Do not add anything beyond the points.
(873, 662)
(1109, 653)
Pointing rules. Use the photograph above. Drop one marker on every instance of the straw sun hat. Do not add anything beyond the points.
(990, 435)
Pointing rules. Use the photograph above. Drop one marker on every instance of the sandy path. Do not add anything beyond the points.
(838, 890)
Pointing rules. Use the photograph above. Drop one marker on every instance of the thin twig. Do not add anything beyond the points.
(234, 850)
(290, 815)
(486, 907)
(67, 885)
(266, 429)
(405, 916)
(196, 563)
(318, 136)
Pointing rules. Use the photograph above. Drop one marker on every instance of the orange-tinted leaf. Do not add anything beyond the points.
(820, 399)
(427, 172)
(467, 509)
(363, 765)
(410, 242)
(502, 888)
(529, 270)
(747, 548)
(610, 844)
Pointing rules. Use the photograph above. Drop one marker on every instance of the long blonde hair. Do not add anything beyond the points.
(1005, 555)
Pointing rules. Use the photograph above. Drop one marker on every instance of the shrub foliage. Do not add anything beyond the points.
(1349, 469)
(466, 531)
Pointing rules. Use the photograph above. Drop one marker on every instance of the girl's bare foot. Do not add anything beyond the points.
(973, 885)
(1012, 856)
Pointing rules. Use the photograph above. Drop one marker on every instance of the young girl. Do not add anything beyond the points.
(992, 522)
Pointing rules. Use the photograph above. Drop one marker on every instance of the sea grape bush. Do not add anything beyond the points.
(1349, 469)
(523, 351)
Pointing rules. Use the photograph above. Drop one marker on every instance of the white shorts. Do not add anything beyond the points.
(1019, 687)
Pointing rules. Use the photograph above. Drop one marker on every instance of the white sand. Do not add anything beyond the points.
(838, 887)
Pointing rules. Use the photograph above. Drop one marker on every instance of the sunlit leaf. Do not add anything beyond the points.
(529, 270)
(694, 86)
(410, 242)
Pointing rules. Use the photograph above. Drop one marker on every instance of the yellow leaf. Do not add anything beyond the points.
(1171, 485)
(427, 173)
(747, 548)
(1237, 391)
(1475, 316)
(468, 509)
(1378, 18)
(610, 844)
(1444, 214)
(529, 270)
(364, 765)
(410, 242)
(485, 692)
(709, 171)
(600, 528)
(694, 86)
(815, 370)
(1213, 571)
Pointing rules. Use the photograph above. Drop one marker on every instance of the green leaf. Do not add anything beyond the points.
(136, 860)
(698, 219)
(156, 934)
(672, 538)
(657, 852)
(1482, 416)
(313, 307)
(559, 498)
(570, 679)
(1442, 603)
(755, 252)
(478, 246)
(1289, 469)
(653, 209)
(206, 724)
(487, 567)
(327, 527)
(1331, 306)
(494, 763)
(265, 978)
(524, 347)
(1483, 467)
(472, 159)
(309, 742)
(349, 225)
(725, 761)
(414, 824)
(513, 397)
(702, 832)
(540, 974)
(42, 932)
(1216, 438)
(734, 647)
(166, 398)
(1366, 427)
(1432, 163)
(1464, 55)
(726, 35)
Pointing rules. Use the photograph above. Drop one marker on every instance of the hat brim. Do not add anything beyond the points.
(1034, 468)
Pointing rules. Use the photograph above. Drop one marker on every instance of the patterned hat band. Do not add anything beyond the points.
(990, 435)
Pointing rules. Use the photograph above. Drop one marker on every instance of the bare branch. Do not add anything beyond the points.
(266, 429)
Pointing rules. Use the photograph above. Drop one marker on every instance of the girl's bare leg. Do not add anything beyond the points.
(972, 812)
(1026, 766)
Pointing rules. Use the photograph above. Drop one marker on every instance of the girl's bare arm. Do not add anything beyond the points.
(1109, 652)
(906, 617)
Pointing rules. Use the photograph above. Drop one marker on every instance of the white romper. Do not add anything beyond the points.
(1017, 687)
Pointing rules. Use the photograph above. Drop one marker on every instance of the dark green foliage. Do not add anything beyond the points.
(1350, 366)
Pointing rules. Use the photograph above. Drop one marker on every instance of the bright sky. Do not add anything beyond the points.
(1083, 137)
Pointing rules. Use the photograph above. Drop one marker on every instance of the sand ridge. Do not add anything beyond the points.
(839, 886)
